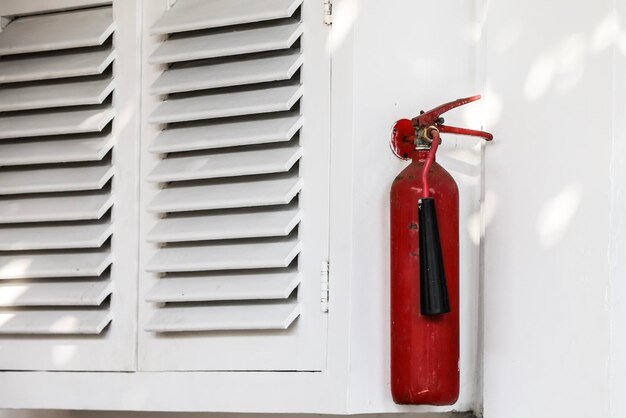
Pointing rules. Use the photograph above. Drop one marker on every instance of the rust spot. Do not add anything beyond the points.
(412, 226)
(413, 254)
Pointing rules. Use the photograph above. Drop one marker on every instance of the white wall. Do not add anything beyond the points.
(555, 178)
(549, 208)
(406, 59)
(617, 368)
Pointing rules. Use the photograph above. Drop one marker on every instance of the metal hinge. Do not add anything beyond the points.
(328, 12)
(324, 287)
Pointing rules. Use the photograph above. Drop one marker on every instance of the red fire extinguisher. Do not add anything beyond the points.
(425, 264)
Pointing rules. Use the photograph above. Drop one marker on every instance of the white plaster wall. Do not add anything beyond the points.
(555, 176)
(549, 207)
(406, 59)
(618, 237)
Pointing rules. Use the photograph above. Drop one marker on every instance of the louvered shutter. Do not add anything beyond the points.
(66, 158)
(235, 180)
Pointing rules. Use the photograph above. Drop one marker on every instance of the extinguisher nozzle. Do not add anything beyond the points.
(434, 298)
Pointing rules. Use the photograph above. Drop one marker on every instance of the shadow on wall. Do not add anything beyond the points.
(554, 73)
(549, 86)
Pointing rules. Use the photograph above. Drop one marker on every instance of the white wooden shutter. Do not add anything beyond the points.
(235, 185)
(66, 187)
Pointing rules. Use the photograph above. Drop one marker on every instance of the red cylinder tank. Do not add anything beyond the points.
(424, 348)
(425, 339)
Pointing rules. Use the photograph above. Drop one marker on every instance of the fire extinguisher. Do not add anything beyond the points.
(425, 263)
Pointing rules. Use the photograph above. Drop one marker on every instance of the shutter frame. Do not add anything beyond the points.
(198, 183)
(68, 187)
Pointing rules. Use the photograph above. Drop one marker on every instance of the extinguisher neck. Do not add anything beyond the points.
(420, 155)
(422, 141)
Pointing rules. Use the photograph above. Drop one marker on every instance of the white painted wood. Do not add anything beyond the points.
(83, 148)
(224, 317)
(189, 15)
(23, 7)
(54, 237)
(238, 162)
(268, 253)
(228, 194)
(58, 179)
(221, 105)
(246, 70)
(42, 208)
(51, 32)
(303, 346)
(323, 394)
(55, 122)
(255, 223)
(250, 131)
(55, 293)
(62, 64)
(55, 94)
(228, 42)
(54, 321)
(257, 285)
(114, 350)
(66, 264)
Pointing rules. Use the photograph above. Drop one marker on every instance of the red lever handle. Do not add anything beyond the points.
(405, 130)
(464, 131)
(431, 117)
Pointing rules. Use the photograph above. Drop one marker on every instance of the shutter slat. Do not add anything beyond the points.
(51, 32)
(244, 71)
(257, 285)
(56, 94)
(61, 179)
(54, 237)
(221, 105)
(56, 293)
(27, 7)
(55, 122)
(269, 253)
(228, 42)
(226, 237)
(235, 194)
(187, 15)
(224, 317)
(244, 224)
(252, 131)
(57, 105)
(85, 148)
(227, 164)
(60, 65)
(86, 206)
(54, 321)
(67, 264)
